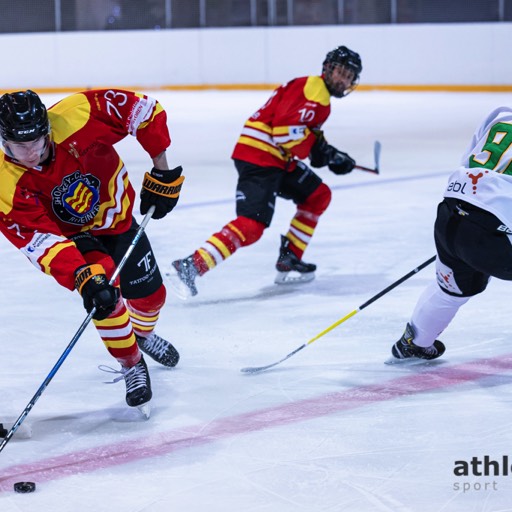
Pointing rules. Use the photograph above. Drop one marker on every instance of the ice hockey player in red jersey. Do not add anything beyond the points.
(472, 236)
(268, 157)
(66, 202)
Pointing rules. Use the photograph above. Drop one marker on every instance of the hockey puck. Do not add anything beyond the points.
(24, 487)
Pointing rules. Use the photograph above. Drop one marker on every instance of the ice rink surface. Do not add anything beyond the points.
(332, 429)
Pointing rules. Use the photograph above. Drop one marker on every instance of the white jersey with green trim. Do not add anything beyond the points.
(485, 176)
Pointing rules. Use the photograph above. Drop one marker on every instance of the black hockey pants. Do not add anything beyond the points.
(473, 243)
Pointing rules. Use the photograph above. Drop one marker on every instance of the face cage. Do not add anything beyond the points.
(333, 90)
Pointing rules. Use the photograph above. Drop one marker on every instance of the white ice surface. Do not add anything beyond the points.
(332, 429)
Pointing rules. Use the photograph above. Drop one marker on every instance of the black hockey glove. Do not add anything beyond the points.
(92, 284)
(162, 189)
(323, 154)
(320, 152)
(341, 163)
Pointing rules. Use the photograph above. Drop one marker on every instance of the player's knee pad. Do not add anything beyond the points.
(318, 201)
(247, 230)
(151, 303)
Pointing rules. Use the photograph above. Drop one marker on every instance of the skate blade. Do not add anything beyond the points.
(293, 277)
(24, 431)
(178, 287)
(145, 410)
(410, 361)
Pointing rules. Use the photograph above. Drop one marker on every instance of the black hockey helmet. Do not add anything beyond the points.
(341, 56)
(23, 117)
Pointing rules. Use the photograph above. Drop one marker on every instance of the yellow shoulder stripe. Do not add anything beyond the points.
(315, 90)
(63, 126)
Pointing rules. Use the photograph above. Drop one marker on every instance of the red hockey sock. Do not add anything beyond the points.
(117, 335)
(306, 219)
(144, 312)
(240, 232)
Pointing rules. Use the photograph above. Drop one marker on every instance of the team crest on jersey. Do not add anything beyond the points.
(76, 199)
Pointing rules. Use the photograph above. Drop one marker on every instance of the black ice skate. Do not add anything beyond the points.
(182, 276)
(158, 349)
(405, 348)
(138, 387)
(290, 269)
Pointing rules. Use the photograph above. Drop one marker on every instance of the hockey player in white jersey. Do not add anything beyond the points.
(472, 236)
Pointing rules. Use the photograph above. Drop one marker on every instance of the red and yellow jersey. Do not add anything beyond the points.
(281, 130)
(84, 186)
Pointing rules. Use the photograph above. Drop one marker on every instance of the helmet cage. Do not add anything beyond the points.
(346, 58)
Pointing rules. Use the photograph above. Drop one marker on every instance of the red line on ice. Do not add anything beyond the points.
(159, 444)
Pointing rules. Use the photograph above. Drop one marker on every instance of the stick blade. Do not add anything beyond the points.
(256, 369)
(376, 155)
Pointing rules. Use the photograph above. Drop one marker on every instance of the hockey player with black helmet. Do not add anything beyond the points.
(268, 158)
(341, 62)
(66, 203)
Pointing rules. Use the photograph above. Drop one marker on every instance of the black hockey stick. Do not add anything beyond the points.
(77, 335)
(256, 369)
(376, 156)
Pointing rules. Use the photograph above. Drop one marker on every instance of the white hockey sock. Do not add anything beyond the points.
(433, 313)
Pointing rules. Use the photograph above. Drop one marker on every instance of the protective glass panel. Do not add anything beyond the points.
(438, 11)
(24, 16)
